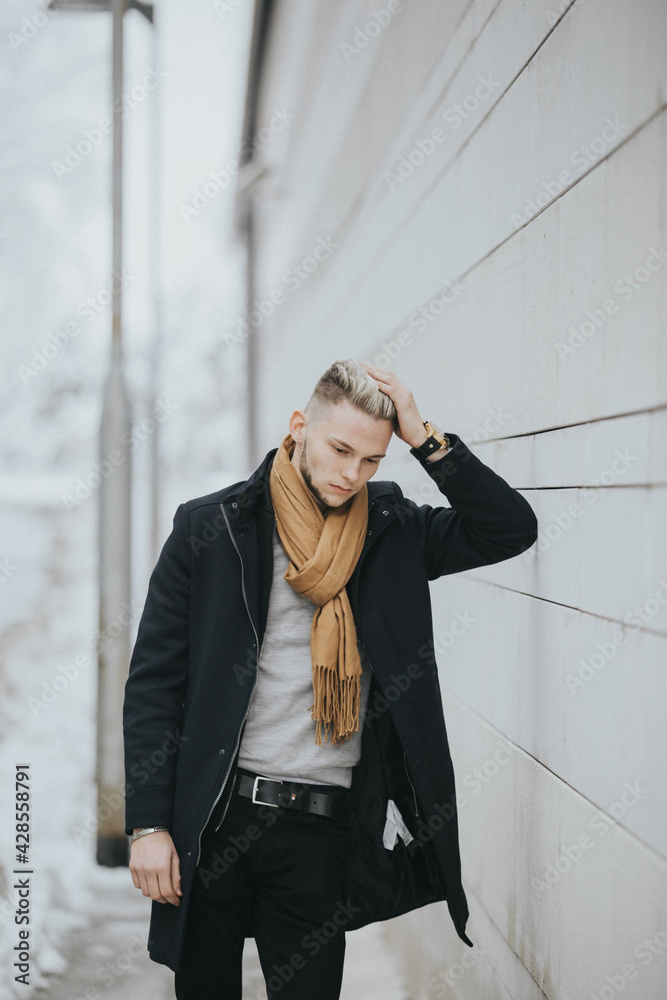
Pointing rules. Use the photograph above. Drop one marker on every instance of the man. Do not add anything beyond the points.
(283, 720)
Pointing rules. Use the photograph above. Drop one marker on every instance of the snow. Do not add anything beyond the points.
(55, 242)
(89, 924)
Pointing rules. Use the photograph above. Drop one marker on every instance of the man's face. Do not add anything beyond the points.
(344, 449)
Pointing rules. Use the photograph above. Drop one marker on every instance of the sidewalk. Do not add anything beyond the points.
(108, 959)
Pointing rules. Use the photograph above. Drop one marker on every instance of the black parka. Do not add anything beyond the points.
(194, 667)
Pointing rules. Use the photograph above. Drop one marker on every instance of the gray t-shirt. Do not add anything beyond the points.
(279, 735)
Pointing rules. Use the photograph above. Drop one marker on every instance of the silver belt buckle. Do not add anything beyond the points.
(254, 791)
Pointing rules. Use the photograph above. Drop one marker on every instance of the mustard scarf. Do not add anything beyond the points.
(323, 549)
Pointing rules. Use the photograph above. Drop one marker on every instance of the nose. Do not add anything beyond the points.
(350, 476)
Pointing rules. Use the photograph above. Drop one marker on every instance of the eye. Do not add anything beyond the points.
(344, 452)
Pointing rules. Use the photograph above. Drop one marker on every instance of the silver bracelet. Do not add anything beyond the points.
(149, 829)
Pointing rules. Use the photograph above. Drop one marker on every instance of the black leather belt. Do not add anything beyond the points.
(300, 795)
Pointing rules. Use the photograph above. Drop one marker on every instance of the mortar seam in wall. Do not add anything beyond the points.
(570, 607)
(575, 423)
(465, 705)
(494, 249)
(354, 212)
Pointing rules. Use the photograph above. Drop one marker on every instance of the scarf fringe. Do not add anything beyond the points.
(331, 697)
(323, 550)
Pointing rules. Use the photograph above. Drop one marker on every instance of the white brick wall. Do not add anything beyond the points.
(506, 174)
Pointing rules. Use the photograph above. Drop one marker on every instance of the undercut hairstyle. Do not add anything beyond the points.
(349, 380)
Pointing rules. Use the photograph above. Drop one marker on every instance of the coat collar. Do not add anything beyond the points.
(247, 505)
(244, 500)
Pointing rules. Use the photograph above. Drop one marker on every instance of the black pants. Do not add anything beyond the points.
(274, 874)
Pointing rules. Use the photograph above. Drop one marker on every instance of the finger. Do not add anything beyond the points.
(155, 889)
(176, 873)
(166, 887)
(144, 886)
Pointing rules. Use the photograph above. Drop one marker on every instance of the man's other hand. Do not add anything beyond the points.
(156, 868)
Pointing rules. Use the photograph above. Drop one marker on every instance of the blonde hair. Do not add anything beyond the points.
(349, 380)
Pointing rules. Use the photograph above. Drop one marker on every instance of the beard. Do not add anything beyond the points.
(308, 479)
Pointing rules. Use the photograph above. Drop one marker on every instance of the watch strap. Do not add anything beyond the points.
(431, 444)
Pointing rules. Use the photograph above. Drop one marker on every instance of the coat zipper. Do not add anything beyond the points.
(259, 649)
(405, 760)
(231, 792)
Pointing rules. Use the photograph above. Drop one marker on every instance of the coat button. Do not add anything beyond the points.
(235, 504)
(221, 751)
(189, 853)
(370, 531)
(385, 511)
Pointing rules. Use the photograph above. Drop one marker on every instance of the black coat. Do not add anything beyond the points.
(194, 667)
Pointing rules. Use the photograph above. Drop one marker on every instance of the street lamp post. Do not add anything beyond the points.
(115, 493)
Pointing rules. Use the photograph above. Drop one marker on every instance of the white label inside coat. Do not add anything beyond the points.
(394, 826)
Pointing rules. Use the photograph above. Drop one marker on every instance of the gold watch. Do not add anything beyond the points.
(436, 439)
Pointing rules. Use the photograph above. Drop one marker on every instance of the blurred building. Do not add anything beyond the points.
(472, 194)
